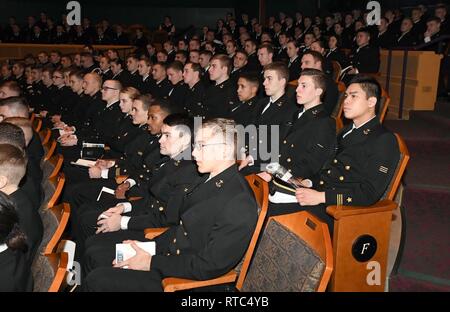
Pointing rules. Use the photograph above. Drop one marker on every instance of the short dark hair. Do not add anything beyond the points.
(320, 43)
(132, 55)
(13, 86)
(434, 19)
(268, 47)
(364, 30)
(176, 65)
(10, 233)
(319, 78)
(146, 100)
(166, 106)
(195, 67)
(224, 60)
(118, 61)
(243, 53)
(251, 78)
(281, 69)
(12, 134)
(180, 119)
(316, 56)
(370, 86)
(13, 163)
(17, 104)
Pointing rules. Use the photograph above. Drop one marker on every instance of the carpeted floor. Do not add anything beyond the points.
(425, 263)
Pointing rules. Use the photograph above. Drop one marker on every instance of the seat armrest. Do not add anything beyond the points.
(172, 284)
(151, 233)
(337, 212)
(120, 179)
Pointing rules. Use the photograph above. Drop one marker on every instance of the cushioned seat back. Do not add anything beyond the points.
(49, 190)
(43, 273)
(399, 170)
(283, 262)
(260, 189)
(337, 111)
(336, 70)
(52, 190)
(49, 272)
(52, 166)
(47, 169)
(50, 223)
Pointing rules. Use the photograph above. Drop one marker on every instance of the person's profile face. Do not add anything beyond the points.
(356, 103)
(245, 90)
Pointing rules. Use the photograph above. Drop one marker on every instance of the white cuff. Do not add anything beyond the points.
(252, 160)
(427, 39)
(124, 223)
(131, 181)
(126, 207)
(105, 173)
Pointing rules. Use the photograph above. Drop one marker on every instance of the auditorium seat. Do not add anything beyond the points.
(336, 70)
(49, 272)
(49, 149)
(37, 124)
(361, 237)
(52, 190)
(45, 135)
(294, 255)
(55, 221)
(52, 166)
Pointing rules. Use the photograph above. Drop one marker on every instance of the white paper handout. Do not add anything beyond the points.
(125, 251)
(83, 163)
(105, 190)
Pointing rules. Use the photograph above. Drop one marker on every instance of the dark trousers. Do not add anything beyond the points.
(97, 265)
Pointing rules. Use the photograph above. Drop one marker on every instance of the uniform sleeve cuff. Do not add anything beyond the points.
(127, 207)
(105, 173)
(131, 182)
(251, 161)
(124, 223)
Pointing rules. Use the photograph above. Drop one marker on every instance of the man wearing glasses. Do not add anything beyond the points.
(216, 224)
(100, 120)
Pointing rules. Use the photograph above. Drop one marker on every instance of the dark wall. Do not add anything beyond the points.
(149, 13)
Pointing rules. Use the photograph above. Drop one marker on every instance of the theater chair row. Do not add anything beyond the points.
(50, 264)
(295, 251)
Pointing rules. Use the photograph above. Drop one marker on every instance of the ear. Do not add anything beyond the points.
(3, 182)
(372, 102)
(319, 91)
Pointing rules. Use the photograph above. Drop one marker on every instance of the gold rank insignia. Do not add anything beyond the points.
(279, 103)
(140, 153)
(314, 112)
(366, 131)
(349, 200)
(339, 199)
(219, 183)
(177, 163)
(383, 169)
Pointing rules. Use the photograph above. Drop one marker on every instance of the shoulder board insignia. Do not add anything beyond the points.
(219, 183)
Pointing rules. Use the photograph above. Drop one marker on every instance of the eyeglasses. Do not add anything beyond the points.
(108, 88)
(200, 146)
